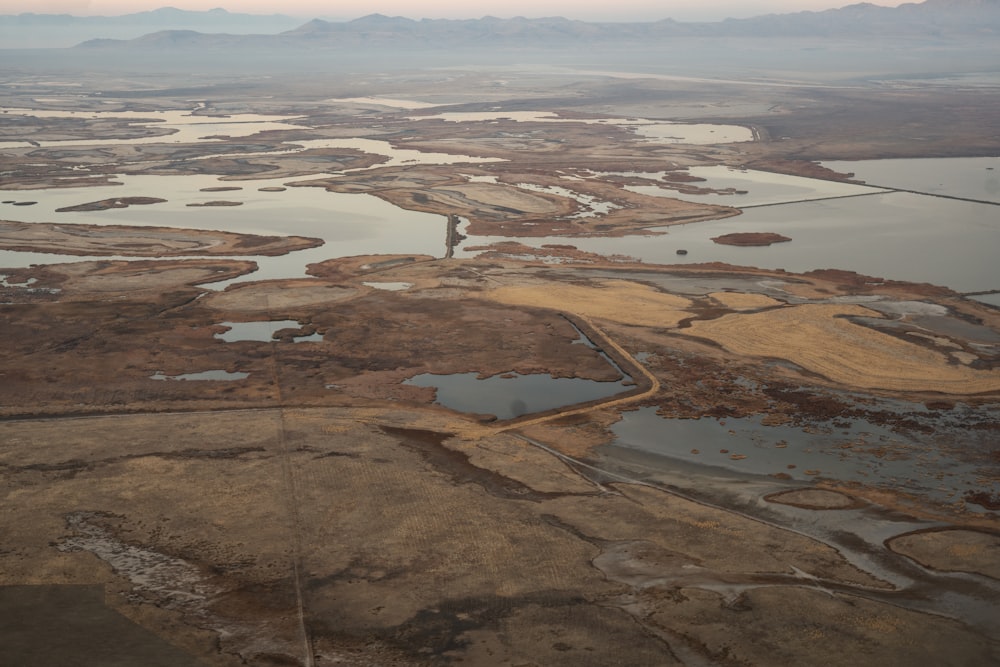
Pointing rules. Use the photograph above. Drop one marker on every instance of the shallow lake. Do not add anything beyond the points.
(857, 451)
(970, 177)
(897, 236)
(351, 224)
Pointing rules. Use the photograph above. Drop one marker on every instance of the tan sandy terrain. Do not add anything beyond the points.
(621, 301)
(821, 339)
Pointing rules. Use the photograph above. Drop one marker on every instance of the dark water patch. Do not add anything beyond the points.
(953, 326)
(513, 395)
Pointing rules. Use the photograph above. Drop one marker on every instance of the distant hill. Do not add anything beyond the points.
(932, 18)
(62, 30)
(172, 28)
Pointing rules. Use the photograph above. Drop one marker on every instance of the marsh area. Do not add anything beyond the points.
(458, 373)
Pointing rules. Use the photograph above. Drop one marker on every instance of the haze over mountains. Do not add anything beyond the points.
(169, 28)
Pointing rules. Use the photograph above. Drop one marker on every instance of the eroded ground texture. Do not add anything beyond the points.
(788, 468)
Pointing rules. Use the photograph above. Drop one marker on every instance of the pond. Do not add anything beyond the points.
(512, 395)
(263, 332)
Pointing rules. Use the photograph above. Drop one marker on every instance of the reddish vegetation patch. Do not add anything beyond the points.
(986, 500)
(800, 168)
(105, 204)
(218, 203)
(751, 238)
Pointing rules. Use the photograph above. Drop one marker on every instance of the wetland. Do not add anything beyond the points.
(409, 368)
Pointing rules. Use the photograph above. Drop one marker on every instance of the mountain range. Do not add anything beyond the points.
(31, 30)
(936, 19)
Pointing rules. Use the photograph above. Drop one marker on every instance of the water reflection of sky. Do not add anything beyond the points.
(185, 127)
(897, 236)
(351, 224)
(971, 177)
(755, 188)
(854, 451)
(512, 395)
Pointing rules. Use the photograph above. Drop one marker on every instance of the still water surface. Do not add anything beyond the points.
(750, 187)
(512, 394)
(853, 451)
(895, 235)
(970, 177)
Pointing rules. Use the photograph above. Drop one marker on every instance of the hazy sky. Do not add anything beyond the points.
(618, 10)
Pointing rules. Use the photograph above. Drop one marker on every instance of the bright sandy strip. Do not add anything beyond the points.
(617, 300)
(815, 338)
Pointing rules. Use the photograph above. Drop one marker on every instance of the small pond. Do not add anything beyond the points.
(511, 395)
(263, 331)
